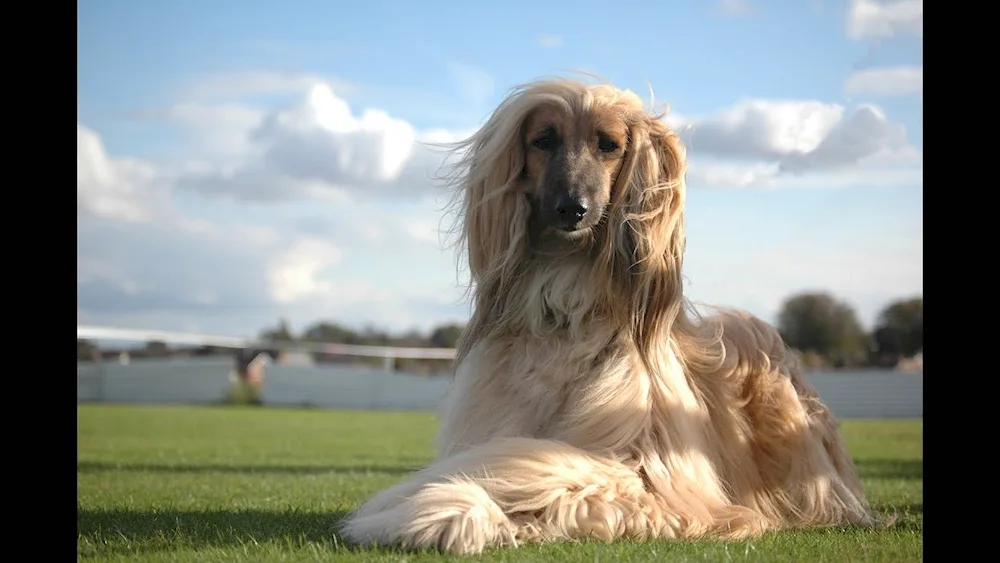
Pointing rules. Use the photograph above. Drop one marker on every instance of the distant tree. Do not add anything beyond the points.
(156, 348)
(331, 332)
(816, 323)
(372, 336)
(335, 333)
(280, 334)
(412, 338)
(899, 330)
(446, 336)
(85, 350)
(210, 351)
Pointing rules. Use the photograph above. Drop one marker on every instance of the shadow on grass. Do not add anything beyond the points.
(100, 467)
(148, 530)
(890, 468)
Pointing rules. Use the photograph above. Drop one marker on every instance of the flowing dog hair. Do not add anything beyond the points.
(589, 399)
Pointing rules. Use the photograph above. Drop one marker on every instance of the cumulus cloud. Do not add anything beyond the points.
(151, 257)
(886, 81)
(872, 19)
(320, 148)
(111, 188)
(756, 141)
(161, 274)
(765, 129)
(295, 274)
(865, 133)
(211, 131)
(321, 139)
(718, 173)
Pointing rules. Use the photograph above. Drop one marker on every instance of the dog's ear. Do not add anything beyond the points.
(495, 211)
(492, 213)
(647, 230)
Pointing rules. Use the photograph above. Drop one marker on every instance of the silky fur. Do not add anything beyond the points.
(589, 400)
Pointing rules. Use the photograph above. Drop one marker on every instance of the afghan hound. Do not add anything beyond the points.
(589, 399)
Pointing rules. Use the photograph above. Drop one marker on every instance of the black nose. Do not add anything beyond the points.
(570, 211)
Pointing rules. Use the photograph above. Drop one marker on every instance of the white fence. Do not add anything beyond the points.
(861, 394)
(872, 394)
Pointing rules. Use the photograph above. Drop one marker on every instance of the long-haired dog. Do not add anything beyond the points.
(587, 400)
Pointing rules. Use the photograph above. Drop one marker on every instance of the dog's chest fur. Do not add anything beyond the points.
(521, 386)
(533, 380)
(560, 368)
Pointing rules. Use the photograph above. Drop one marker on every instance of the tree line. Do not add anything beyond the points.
(827, 333)
(823, 329)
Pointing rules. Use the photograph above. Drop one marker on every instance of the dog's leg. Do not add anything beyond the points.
(504, 492)
(518, 490)
(432, 510)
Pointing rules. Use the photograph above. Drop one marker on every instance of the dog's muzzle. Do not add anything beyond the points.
(568, 212)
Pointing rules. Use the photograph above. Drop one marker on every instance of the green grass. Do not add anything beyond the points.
(179, 484)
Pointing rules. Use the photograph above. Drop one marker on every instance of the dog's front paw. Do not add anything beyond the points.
(462, 533)
(738, 522)
(455, 517)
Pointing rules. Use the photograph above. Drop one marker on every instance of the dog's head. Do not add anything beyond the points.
(566, 166)
(573, 152)
(563, 168)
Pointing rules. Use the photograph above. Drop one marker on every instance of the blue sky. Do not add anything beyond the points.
(208, 201)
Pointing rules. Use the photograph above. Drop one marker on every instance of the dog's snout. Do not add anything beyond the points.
(570, 211)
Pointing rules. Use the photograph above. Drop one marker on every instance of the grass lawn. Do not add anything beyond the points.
(179, 484)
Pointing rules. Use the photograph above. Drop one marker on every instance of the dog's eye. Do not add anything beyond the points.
(545, 142)
(604, 144)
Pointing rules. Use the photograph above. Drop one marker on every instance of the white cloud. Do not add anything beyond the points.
(550, 41)
(865, 133)
(424, 230)
(756, 142)
(886, 81)
(171, 265)
(294, 274)
(320, 148)
(322, 139)
(871, 19)
(713, 172)
(212, 131)
(734, 8)
(142, 262)
(768, 129)
(111, 188)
